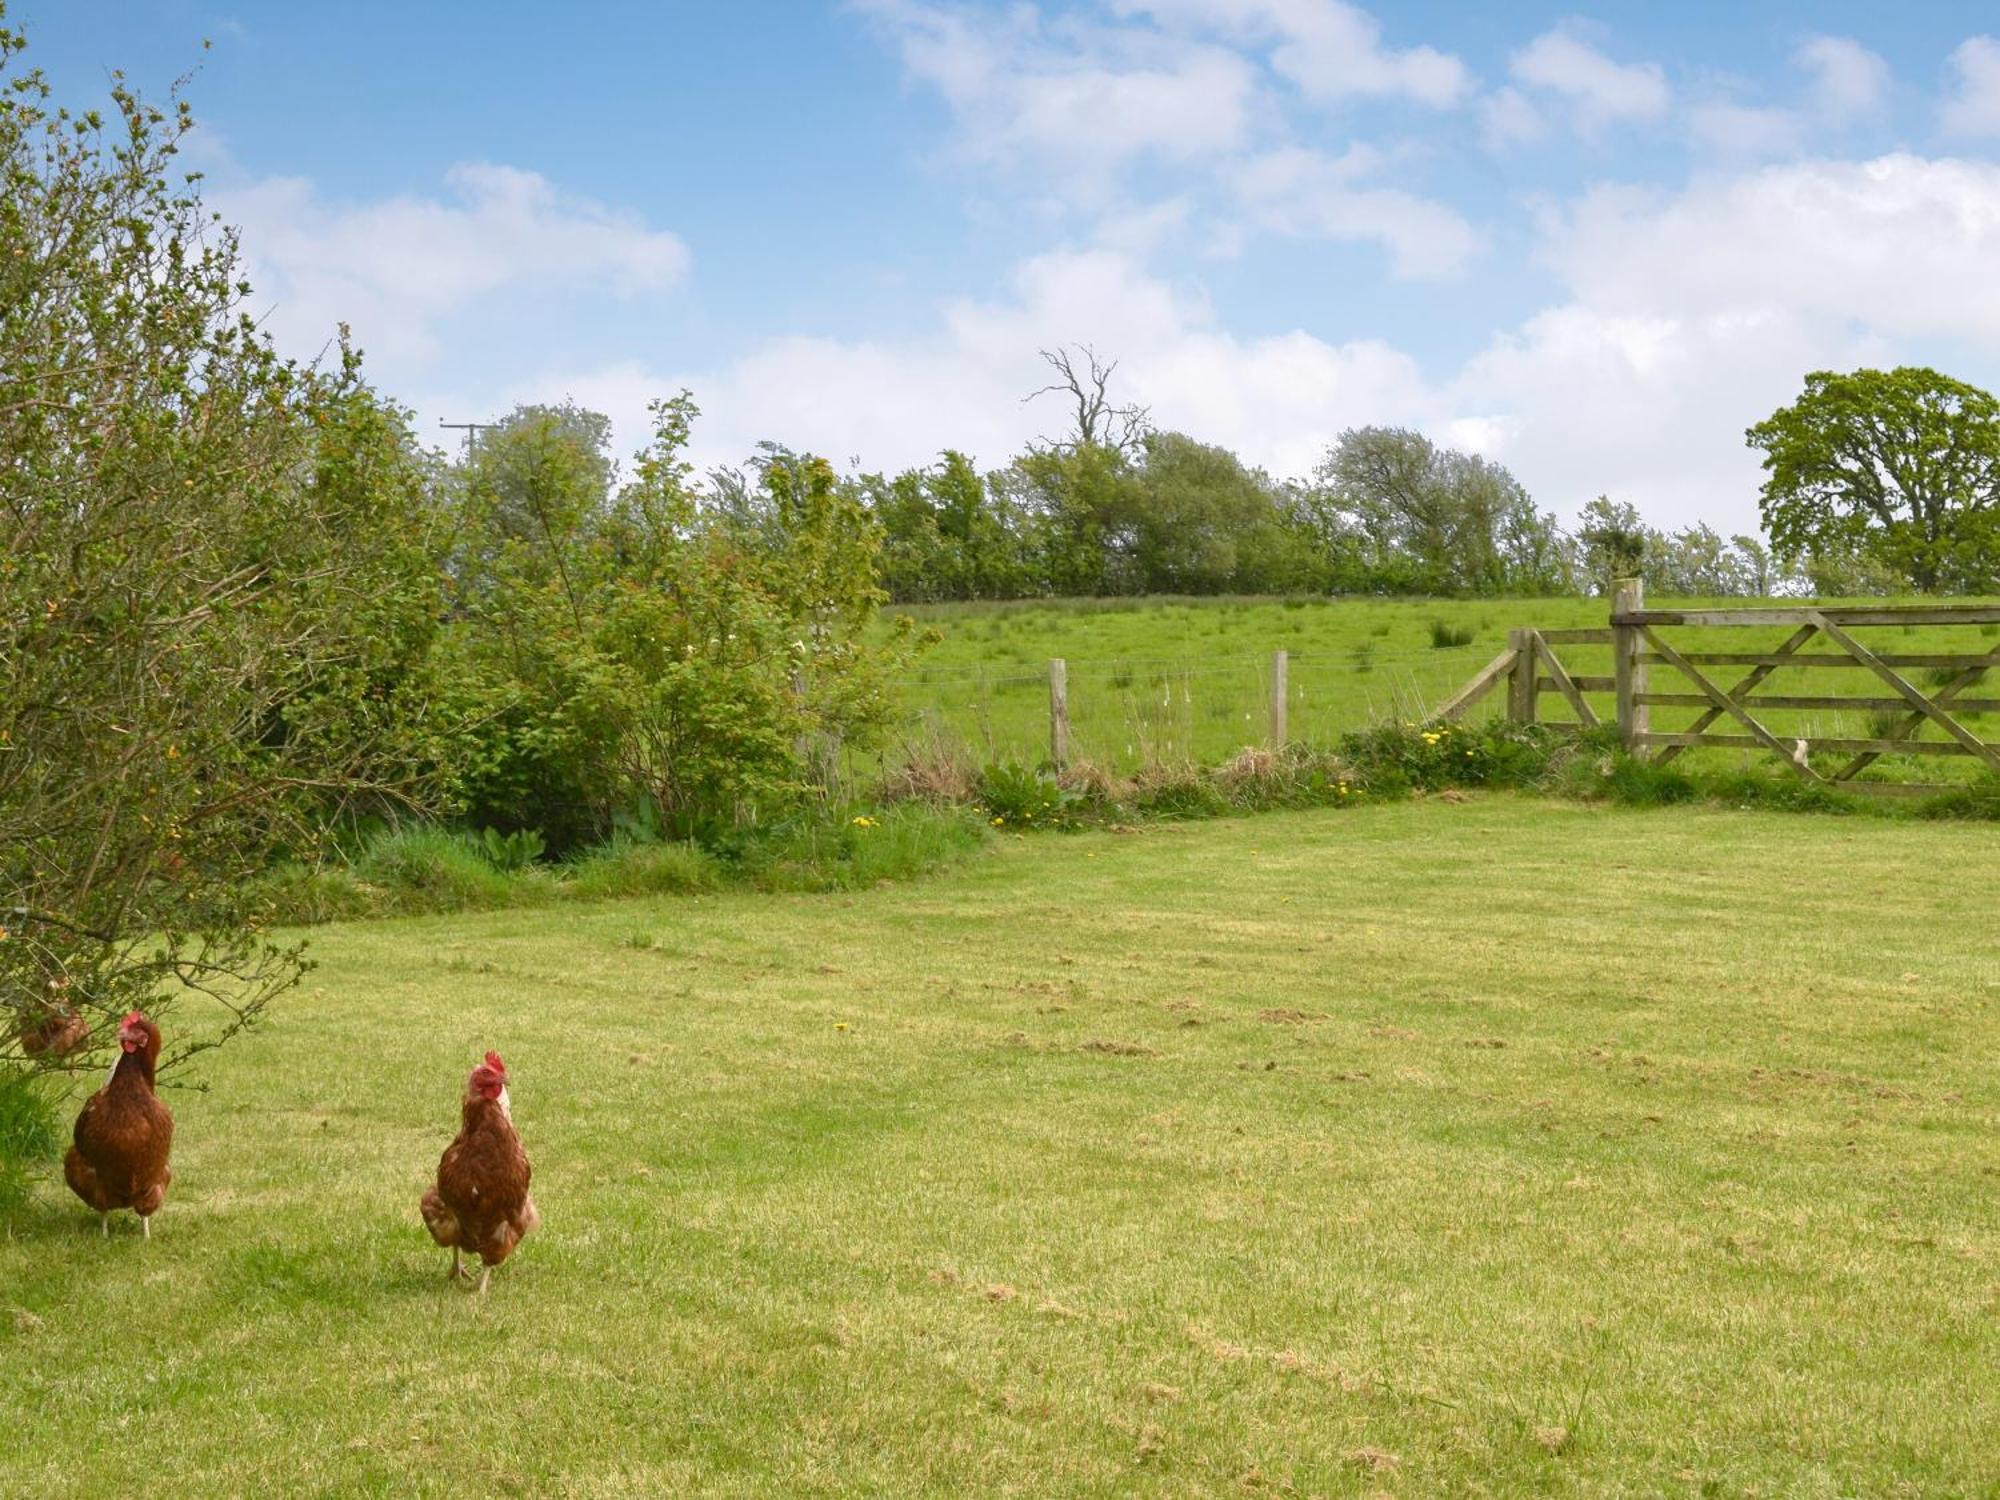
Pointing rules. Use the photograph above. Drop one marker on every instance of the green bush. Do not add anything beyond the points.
(1445, 635)
(30, 1132)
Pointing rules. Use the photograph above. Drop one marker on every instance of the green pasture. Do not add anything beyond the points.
(1161, 681)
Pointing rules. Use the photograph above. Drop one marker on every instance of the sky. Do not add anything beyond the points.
(1592, 244)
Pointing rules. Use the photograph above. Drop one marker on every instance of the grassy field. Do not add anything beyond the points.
(1503, 1148)
(1189, 679)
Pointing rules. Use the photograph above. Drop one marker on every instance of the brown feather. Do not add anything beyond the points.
(481, 1202)
(123, 1136)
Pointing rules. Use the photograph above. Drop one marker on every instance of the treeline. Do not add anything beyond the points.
(1386, 512)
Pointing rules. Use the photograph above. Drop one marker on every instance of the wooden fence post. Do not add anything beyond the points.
(1280, 688)
(1521, 681)
(1628, 673)
(1059, 712)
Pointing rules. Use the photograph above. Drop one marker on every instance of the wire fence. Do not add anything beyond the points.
(1127, 712)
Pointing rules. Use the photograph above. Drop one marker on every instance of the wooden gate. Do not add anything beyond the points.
(1735, 714)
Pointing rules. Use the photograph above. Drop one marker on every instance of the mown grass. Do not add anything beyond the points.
(1502, 1147)
(1160, 681)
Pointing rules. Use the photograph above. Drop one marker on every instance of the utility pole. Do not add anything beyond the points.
(469, 428)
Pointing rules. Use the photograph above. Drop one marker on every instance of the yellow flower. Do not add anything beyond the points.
(998, 821)
(840, 1026)
(865, 822)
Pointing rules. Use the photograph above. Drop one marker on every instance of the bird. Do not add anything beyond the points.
(124, 1133)
(480, 1205)
(55, 1033)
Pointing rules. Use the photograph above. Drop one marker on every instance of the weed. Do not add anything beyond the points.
(1011, 795)
(511, 853)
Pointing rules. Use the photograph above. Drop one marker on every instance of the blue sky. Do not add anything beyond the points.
(1593, 243)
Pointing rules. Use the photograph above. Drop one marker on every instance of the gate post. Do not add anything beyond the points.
(1521, 683)
(1628, 673)
(1058, 712)
(1280, 692)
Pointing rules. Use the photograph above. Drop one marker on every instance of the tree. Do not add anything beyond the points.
(946, 534)
(533, 494)
(1438, 521)
(1901, 467)
(1081, 505)
(219, 580)
(1207, 525)
(1615, 542)
(1099, 423)
(692, 652)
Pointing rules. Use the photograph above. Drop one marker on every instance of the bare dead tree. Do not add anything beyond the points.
(1098, 422)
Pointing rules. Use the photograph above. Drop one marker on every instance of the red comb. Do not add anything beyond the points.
(493, 1062)
(134, 1017)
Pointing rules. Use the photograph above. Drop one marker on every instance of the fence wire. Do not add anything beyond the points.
(1126, 712)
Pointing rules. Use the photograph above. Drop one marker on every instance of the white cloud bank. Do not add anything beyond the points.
(395, 269)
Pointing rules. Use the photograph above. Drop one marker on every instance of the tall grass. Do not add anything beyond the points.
(420, 870)
(627, 868)
(30, 1132)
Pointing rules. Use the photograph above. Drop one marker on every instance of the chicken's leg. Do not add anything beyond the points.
(105, 1220)
(485, 1275)
(146, 1225)
(456, 1270)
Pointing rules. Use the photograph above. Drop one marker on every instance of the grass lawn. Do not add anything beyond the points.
(1500, 1148)
(1166, 680)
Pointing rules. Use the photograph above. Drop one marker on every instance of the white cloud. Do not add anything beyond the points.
(1903, 244)
(1509, 117)
(1079, 100)
(1645, 407)
(1600, 91)
(395, 268)
(1298, 191)
(1971, 105)
(1848, 81)
(1744, 130)
(1688, 316)
(1329, 49)
(888, 404)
